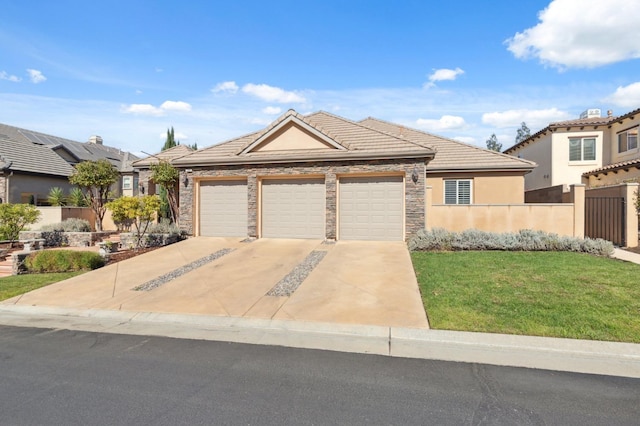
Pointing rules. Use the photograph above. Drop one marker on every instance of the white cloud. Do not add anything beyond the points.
(175, 106)
(446, 122)
(138, 92)
(581, 34)
(535, 118)
(142, 109)
(226, 87)
(5, 76)
(36, 76)
(272, 94)
(272, 110)
(626, 96)
(443, 74)
(148, 109)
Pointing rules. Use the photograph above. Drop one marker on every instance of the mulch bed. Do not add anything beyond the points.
(119, 256)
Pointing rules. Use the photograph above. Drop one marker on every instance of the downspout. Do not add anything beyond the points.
(7, 186)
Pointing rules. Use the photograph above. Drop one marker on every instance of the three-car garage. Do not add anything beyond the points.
(368, 208)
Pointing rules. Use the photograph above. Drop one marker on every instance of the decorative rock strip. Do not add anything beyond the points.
(163, 279)
(293, 279)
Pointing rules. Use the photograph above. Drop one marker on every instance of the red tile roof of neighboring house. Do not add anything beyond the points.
(613, 167)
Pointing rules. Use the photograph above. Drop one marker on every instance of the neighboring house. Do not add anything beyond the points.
(146, 185)
(593, 150)
(31, 163)
(326, 177)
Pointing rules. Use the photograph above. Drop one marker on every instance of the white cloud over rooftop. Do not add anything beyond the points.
(535, 118)
(581, 34)
(272, 94)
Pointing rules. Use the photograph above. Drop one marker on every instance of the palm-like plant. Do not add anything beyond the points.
(56, 196)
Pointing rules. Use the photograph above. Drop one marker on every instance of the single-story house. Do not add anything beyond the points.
(327, 177)
(31, 163)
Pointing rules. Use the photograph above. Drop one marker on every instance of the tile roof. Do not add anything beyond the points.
(168, 155)
(451, 154)
(31, 158)
(352, 141)
(78, 150)
(613, 167)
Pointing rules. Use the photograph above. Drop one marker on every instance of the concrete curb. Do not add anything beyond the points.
(580, 356)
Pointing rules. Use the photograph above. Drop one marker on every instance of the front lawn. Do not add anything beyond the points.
(20, 284)
(555, 294)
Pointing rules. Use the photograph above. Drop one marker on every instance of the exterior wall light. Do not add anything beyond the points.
(415, 175)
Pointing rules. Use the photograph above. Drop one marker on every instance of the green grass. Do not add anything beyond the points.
(20, 284)
(556, 294)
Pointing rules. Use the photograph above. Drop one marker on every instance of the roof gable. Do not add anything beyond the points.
(325, 137)
(291, 133)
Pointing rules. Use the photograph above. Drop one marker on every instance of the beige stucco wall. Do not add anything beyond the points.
(617, 127)
(487, 188)
(562, 219)
(568, 172)
(291, 137)
(556, 218)
(538, 151)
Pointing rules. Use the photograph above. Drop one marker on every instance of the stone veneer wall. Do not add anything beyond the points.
(414, 191)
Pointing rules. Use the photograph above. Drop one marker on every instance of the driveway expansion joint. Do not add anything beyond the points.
(291, 282)
(165, 278)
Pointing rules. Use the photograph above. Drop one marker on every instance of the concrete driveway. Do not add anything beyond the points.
(306, 280)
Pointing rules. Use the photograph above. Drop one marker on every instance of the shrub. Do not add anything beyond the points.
(77, 198)
(69, 225)
(15, 218)
(164, 227)
(524, 240)
(56, 196)
(63, 261)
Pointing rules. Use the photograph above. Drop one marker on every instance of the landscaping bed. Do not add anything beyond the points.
(553, 294)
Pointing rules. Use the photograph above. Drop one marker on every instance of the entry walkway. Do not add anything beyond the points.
(368, 283)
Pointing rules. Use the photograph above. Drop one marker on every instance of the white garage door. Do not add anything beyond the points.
(293, 208)
(371, 208)
(223, 208)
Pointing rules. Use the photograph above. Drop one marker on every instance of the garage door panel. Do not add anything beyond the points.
(371, 208)
(223, 208)
(293, 208)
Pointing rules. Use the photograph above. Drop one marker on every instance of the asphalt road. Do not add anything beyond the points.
(81, 378)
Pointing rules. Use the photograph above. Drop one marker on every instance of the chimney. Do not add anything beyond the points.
(609, 113)
(95, 139)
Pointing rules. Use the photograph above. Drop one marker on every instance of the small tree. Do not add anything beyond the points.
(15, 218)
(138, 211)
(56, 196)
(164, 174)
(493, 144)
(523, 132)
(95, 178)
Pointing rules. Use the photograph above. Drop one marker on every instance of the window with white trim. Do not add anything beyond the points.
(457, 191)
(582, 149)
(126, 182)
(628, 140)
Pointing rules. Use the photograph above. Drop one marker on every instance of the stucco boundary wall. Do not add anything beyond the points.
(559, 218)
(628, 192)
(56, 214)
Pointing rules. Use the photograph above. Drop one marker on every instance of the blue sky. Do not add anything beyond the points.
(128, 70)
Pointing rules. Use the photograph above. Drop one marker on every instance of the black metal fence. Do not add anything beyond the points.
(605, 218)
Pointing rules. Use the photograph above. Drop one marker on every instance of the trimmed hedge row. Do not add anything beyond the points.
(63, 261)
(524, 240)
